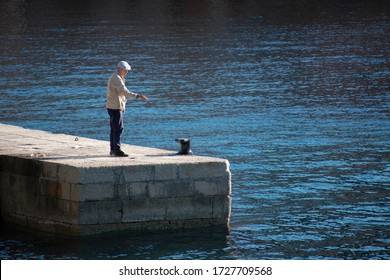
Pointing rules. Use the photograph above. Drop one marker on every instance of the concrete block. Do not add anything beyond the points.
(221, 207)
(50, 170)
(28, 167)
(60, 210)
(75, 192)
(27, 185)
(21, 165)
(54, 188)
(90, 175)
(94, 192)
(5, 164)
(52, 209)
(182, 208)
(74, 213)
(64, 191)
(134, 191)
(144, 210)
(25, 204)
(15, 219)
(68, 174)
(48, 225)
(166, 172)
(88, 212)
(203, 170)
(42, 207)
(7, 202)
(8, 180)
(138, 173)
(165, 189)
(110, 212)
(213, 186)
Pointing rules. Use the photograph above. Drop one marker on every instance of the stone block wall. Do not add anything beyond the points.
(72, 199)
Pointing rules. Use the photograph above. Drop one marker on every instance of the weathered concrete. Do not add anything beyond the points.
(68, 184)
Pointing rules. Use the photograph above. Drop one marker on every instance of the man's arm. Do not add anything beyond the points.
(122, 89)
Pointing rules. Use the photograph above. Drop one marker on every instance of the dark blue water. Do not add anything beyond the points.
(295, 94)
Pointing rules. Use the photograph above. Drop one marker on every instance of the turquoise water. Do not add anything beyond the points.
(296, 96)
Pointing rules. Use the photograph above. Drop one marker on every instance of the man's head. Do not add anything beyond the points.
(123, 68)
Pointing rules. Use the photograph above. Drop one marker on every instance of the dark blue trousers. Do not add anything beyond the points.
(116, 125)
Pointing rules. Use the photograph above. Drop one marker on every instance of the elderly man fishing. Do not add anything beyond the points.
(117, 95)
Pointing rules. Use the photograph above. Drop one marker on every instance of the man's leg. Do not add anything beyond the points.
(116, 125)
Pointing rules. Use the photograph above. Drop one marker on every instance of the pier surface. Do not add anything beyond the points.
(69, 184)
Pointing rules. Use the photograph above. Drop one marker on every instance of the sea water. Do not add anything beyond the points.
(295, 95)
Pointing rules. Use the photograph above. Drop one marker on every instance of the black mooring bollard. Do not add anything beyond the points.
(185, 146)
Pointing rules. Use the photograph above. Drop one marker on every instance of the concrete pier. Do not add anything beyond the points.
(70, 185)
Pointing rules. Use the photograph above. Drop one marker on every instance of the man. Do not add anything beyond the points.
(116, 103)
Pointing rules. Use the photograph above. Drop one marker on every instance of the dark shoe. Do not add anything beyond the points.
(118, 154)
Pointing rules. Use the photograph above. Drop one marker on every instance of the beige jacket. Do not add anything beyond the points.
(117, 92)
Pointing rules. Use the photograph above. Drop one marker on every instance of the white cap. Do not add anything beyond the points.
(124, 65)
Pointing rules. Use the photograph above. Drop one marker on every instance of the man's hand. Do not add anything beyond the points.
(142, 97)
